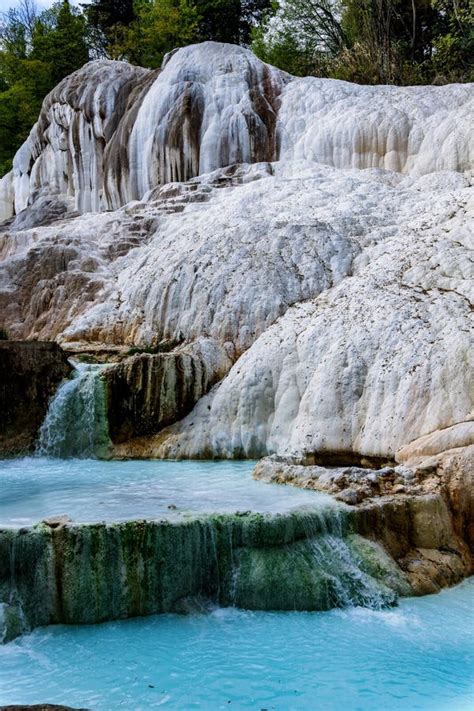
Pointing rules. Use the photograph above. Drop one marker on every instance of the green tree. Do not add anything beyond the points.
(160, 26)
(36, 51)
(105, 21)
(453, 42)
(230, 20)
(371, 41)
(59, 40)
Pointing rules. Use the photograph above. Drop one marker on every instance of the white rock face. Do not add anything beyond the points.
(343, 297)
(65, 152)
(373, 363)
(418, 130)
(110, 132)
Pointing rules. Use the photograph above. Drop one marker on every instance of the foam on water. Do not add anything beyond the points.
(93, 490)
(418, 657)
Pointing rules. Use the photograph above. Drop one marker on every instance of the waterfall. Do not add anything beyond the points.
(76, 422)
(340, 566)
(86, 573)
(310, 561)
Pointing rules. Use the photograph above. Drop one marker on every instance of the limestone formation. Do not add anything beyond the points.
(110, 132)
(421, 511)
(87, 573)
(329, 265)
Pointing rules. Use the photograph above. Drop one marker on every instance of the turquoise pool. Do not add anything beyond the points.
(417, 656)
(90, 490)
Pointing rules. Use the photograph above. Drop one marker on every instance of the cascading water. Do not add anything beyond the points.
(321, 566)
(346, 582)
(76, 422)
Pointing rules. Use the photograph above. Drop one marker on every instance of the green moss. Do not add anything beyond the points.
(95, 572)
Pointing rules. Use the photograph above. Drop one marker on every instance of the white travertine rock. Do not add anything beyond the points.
(226, 268)
(454, 437)
(343, 297)
(368, 366)
(110, 132)
(65, 151)
(419, 129)
(211, 106)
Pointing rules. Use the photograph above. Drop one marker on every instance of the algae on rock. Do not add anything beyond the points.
(86, 573)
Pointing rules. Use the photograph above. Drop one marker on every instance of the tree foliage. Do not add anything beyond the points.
(105, 21)
(37, 50)
(371, 41)
(159, 26)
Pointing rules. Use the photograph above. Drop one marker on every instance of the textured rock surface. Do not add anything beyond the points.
(110, 132)
(94, 572)
(146, 392)
(422, 511)
(402, 129)
(342, 297)
(377, 361)
(29, 376)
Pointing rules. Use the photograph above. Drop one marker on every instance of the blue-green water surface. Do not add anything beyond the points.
(89, 490)
(417, 656)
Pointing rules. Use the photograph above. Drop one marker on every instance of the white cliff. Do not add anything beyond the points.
(342, 296)
(110, 132)
(380, 359)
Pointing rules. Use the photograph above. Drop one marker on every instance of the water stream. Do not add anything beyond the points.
(76, 421)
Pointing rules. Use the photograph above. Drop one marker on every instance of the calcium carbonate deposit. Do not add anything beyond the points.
(316, 234)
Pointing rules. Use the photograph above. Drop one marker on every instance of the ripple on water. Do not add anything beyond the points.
(419, 656)
(95, 490)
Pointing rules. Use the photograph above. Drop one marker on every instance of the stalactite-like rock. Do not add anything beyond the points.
(110, 132)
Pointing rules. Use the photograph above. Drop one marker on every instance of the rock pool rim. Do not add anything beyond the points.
(61, 521)
(90, 573)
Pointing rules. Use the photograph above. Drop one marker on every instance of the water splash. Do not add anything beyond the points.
(76, 421)
(341, 568)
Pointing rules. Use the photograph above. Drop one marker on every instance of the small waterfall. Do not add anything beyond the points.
(76, 422)
(346, 582)
(316, 565)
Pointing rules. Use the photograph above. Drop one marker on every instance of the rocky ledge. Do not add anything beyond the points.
(420, 510)
(61, 572)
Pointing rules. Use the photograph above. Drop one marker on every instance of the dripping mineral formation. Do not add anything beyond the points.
(290, 261)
